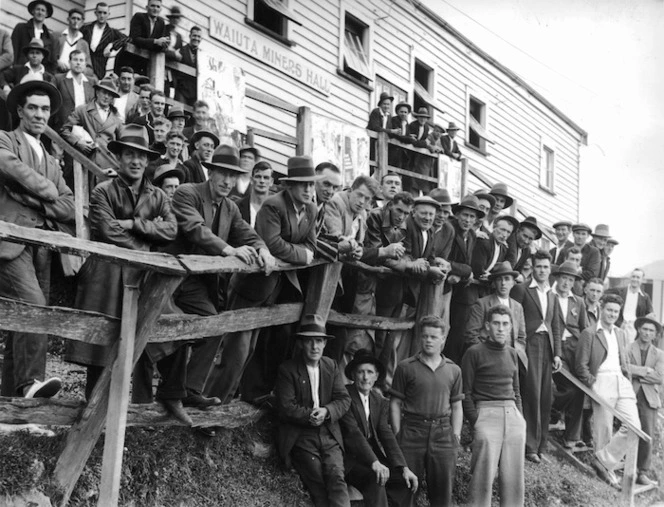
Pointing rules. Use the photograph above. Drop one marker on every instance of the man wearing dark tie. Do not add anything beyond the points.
(562, 230)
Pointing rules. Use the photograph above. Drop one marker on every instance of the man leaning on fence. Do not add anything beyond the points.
(33, 194)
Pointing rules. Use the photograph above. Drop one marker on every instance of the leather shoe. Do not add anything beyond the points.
(46, 389)
(605, 474)
(643, 480)
(199, 401)
(177, 410)
(532, 456)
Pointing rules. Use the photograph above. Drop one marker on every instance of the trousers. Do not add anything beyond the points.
(648, 418)
(536, 392)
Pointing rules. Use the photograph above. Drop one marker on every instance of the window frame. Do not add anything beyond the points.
(482, 98)
(284, 38)
(547, 178)
(429, 89)
(362, 79)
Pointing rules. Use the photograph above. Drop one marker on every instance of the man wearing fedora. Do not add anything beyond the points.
(645, 363)
(311, 399)
(373, 461)
(379, 118)
(492, 405)
(562, 229)
(418, 131)
(203, 143)
(209, 223)
(572, 320)
(248, 158)
(526, 235)
(450, 146)
(174, 47)
(35, 27)
(600, 238)
(396, 156)
(36, 54)
(544, 351)
(503, 201)
(168, 179)
(33, 195)
(591, 261)
(259, 190)
(489, 252)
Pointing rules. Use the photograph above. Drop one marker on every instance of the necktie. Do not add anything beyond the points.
(215, 221)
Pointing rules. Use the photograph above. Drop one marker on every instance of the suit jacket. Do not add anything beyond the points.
(59, 42)
(147, 121)
(368, 441)
(419, 141)
(132, 100)
(102, 132)
(483, 254)
(339, 218)
(591, 261)
(22, 35)
(13, 75)
(65, 86)
(193, 171)
(520, 258)
(476, 332)
(142, 36)
(561, 256)
(6, 50)
(592, 351)
(376, 121)
(450, 147)
(648, 382)
(574, 322)
(643, 304)
(108, 36)
(244, 205)
(295, 403)
(21, 172)
(532, 311)
(395, 123)
(186, 86)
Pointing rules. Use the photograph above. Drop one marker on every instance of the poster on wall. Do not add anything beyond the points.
(346, 146)
(449, 176)
(223, 87)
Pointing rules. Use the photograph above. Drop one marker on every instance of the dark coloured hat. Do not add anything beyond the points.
(422, 112)
(48, 5)
(175, 12)
(582, 227)
(227, 158)
(484, 194)
(560, 223)
(601, 231)
(301, 169)
(452, 126)
(385, 96)
(167, 171)
(312, 326)
(133, 136)
(23, 89)
(510, 219)
(502, 269)
(532, 223)
(501, 190)
(364, 356)
(569, 268)
(38, 44)
(428, 200)
(403, 104)
(176, 112)
(651, 318)
(469, 202)
(246, 147)
(109, 86)
(195, 137)
(441, 195)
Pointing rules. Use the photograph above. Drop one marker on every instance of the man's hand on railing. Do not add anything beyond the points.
(557, 363)
(393, 251)
(163, 41)
(87, 147)
(419, 266)
(453, 279)
(266, 260)
(436, 275)
(245, 253)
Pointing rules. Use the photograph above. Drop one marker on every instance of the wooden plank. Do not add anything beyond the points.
(368, 322)
(562, 453)
(62, 412)
(81, 201)
(463, 186)
(203, 264)
(321, 289)
(394, 142)
(271, 100)
(382, 157)
(157, 70)
(412, 174)
(304, 132)
(173, 102)
(87, 164)
(275, 136)
(116, 418)
(65, 243)
(629, 473)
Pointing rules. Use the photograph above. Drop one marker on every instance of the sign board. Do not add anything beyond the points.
(260, 47)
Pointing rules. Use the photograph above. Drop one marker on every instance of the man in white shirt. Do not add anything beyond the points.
(636, 304)
(69, 40)
(261, 182)
(600, 361)
(128, 97)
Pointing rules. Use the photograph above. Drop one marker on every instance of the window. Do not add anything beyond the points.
(272, 17)
(423, 79)
(477, 136)
(382, 85)
(356, 49)
(547, 168)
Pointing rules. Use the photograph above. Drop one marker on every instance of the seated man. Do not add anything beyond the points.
(311, 399)
(492, 405)
(373, 462)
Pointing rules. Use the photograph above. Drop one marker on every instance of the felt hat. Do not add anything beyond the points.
(582, 227)
(195, 137)
(312, 326)
(500, 189)
(38, 44)
(651, 318)
(109, 86)
(403, 104)
(227, 158)
(426, 199)
(510, 219)
(167, 171)
(568, 268)
(601, 231)
(452, 126)
(532, 223)
(442, 195)
(246, 147)
(502, 269)
(385, 96)
(133, 136)
(23, 89)
(612, 241)
(176, 112)
(364, 356)
(560, 223)
(301, 169)
(422, 112)
(175, 12)
(48, 5)
(469, 202)
(485, 194)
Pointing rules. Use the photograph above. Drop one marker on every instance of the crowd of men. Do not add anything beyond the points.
(512, 316)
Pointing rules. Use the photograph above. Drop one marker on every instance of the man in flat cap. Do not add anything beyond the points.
(23, 33)
(591, 262)
(562, 229)
(601, 236)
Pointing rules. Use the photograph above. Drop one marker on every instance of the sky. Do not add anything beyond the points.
(601, 62)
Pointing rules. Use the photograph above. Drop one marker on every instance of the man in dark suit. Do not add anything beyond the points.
(450, 146)
(65, 84)
(600, 237)
(591, 262)
(102, 39)
(373, 461)
(33, 195)
(186, 86)
(23, 33)
(562, 230)
(544, 350)
(36, 54)
(311, 399)
(261, 183)
(379, 118)
(398, 126)
(526, 234)
(418, 131)
(636, 303)
(204, 144)
(147, 31)
(157, 110)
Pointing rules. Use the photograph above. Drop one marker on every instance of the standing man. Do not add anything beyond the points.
(34, 68)
(418, 131)
(426, 412)
(379, 118)
(327, 184)
(593, 291)
(168, 178)
(601, 359)
(33, 195)
(102, 39)
(488, 252)
(600, 238)
(646, 367)
(157, 108)
(562, 229)
(147, 30)
(261, 183)
(69, 40)
(591, 261)
(608, 250)
(204, 144)
(397, 156)
(492, 405)
(636, 303)
(75, 87)
(35, 28)
(527, 233)
(390, 185)
(248, 158)
(450, 146)
(202, 121)
(311, 399)
(504, 201)
(544, 351)
(127, 97)
(186, 87)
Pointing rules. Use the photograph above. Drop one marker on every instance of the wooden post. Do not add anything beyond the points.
(430, 302)
(118, 403)
(81, 200)
(629, 475)
(463, 186)
(381, 155)
(321, 289)
(304, 132)
(250, 136)
(158, 70)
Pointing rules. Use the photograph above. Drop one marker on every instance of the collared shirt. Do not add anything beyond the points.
(559, 249)
(420, 132)
(120, 104)
(33, 75)
(97, 32)
(564, 307)
(153, 21)
(404, 127)
(542, 294)
(314, 380)
(504, 301)
(79, 88)
(611, 364)
(253, 213)
(355, 227)
(425, 240)
(631, 300)
(299, 213)
(36, 146)
(38, 31)
(365, 403)
(68, 46)
(103, 113)
(496, 253)
(592, 313)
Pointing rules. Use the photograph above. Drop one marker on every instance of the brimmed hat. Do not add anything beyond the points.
(227, 158)
(26, 87)
(612, 241)
(601, 231)
(204, 133)
(559, 223)
(442, 195)
(651, 318)
(568, 268)
(510, 219)
(133, 136)
(582, 227)
(484, 194)
(501, 190)
(502, 269)
(109, 86)
(452, 126)
(422, 112)
(253, 150)
(167, 171)
(428, 200)
(312, 326)
(532, 223)
(385, 96)
(48, 5)
(35, 43)
(301, 169)
(403, 104)
(469, 202)
(363, 356)
(175, 12)
(176, 112)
